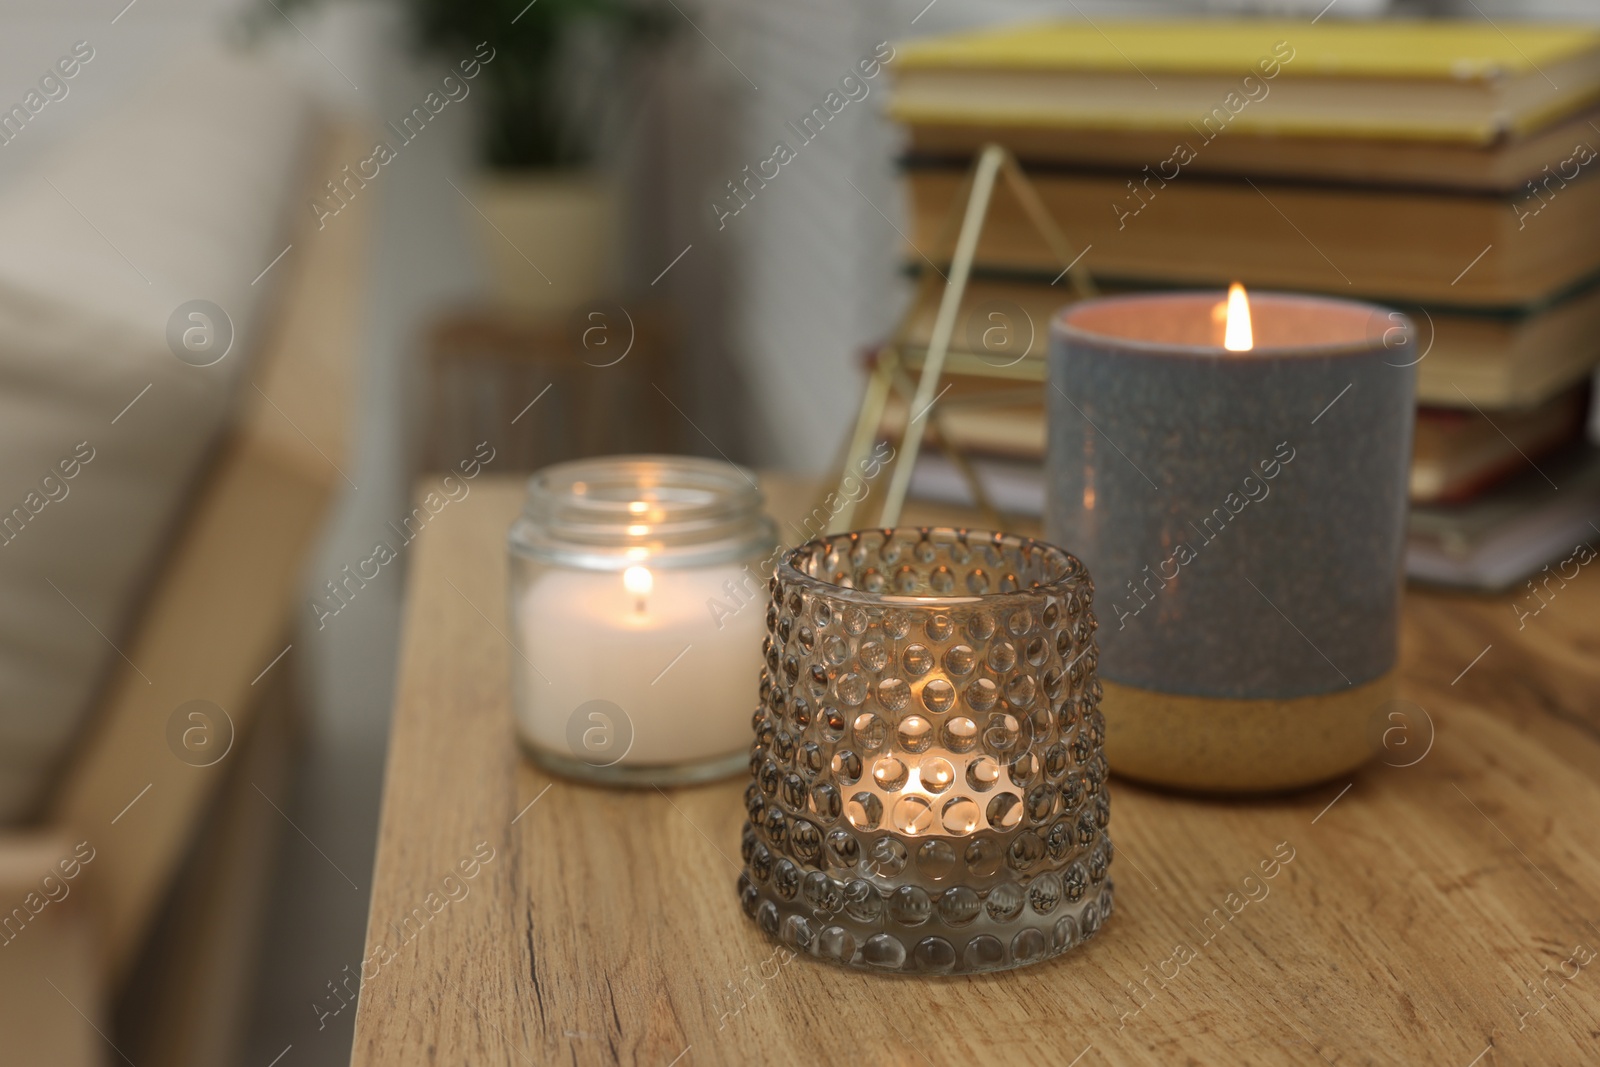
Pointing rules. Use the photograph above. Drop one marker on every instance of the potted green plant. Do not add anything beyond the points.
(559, 87)
(556, 80)
(562, 81)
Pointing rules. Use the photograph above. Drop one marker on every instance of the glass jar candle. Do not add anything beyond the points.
(928, 789)
(637, 591)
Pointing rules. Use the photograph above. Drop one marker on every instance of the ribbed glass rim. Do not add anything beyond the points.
(611, 511)
(1071, 574)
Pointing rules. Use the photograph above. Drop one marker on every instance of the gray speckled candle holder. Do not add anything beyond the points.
(1244, 515)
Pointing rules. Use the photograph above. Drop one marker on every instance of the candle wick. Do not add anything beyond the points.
(638, 605)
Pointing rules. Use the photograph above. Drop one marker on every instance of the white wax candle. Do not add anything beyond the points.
(685, 676)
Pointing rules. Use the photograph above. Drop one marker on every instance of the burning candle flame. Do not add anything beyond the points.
(639, 582)
(1237, 336)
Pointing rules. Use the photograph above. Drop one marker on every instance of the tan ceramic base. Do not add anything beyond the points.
(1219, 745)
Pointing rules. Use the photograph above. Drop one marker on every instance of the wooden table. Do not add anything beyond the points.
(1420, 901)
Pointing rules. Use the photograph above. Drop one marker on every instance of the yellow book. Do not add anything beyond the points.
(1466, 82)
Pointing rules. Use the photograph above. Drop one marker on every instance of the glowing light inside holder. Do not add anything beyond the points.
(1237, 336)
(639, 582)
(950, 852)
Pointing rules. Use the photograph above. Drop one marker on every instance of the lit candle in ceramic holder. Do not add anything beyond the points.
(1234, 471)
(928, 790)
(637, 591)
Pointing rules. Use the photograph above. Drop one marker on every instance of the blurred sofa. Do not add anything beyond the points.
(163, 479)
(181, 194)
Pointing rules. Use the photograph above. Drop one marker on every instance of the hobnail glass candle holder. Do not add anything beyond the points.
(928, 787)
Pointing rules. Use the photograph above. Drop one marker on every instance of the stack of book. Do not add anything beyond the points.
(1451, 170)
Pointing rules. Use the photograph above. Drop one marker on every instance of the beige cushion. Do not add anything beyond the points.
(182, 193)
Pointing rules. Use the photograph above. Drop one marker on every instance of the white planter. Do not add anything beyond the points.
(549, 238)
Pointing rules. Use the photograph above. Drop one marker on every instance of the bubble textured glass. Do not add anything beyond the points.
(928, 786)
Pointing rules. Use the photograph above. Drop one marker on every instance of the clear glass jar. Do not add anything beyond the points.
(638, 592)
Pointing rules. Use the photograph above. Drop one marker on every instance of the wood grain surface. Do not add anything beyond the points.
(1427, 898)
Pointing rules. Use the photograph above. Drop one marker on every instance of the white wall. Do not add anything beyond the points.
(817, 262)
(34, 33)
